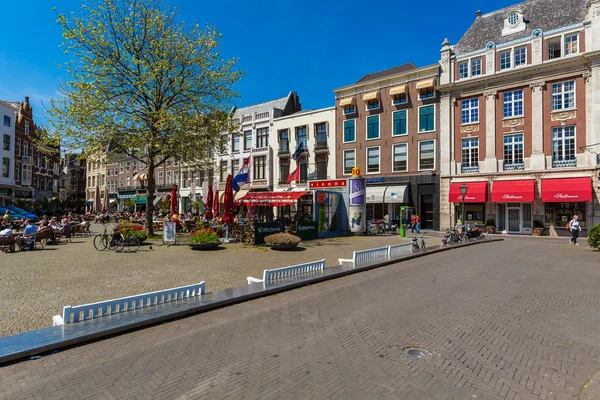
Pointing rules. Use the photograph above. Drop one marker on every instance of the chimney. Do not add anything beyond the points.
(477, 14)
(26, 99)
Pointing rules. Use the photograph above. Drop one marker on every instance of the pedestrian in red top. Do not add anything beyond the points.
(413, 223)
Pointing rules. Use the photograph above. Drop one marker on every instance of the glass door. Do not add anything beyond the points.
(514, 218)
(501, 218)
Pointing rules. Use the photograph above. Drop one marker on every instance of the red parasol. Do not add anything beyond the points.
(173, 201)
(216, 204)
(228, 202)
(208, 210)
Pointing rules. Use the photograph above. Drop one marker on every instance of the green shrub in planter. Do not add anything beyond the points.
(282, 238)
(129, 230)
(593, 236)
(203, 236)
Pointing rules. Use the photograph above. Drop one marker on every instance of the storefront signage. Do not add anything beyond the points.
(376, 180)
(23, 194)
(357, 191)
(467, 198)
(307, 230)
(512, 197)
(261, 230)
(327, 184)
(566, 196)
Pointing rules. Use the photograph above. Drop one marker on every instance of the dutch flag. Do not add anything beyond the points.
(242, 175)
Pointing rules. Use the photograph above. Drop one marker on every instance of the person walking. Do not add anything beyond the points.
(418, 223)
(413, 223)
(574, 227)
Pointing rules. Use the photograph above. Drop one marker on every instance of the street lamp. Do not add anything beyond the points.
(463, 192)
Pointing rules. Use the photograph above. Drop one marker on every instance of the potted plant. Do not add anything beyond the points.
(129, 230)
(282, 241)
(490, 225)
(538, 228)
(204, 239)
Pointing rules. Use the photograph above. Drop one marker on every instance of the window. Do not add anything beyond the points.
(321, 164)
(470, 153)
(262, 138)
(121, 168)
(520, 56)
(321, 133)
(426, 119)
(26, 175)
(513, 151)
(7, 121)
(259, 167)
(373, 104)
(476, 66)
(505, 59)
(399, 123)
(235, 143)
(18, 172)
(513, 104)
(350, 109)
(426, 93)
(6, 143)
(247, 140)
(223, 171)
(427, 155)
(563, 95)
(373, 127)
(5, 167)
(554, 48)
(470, 111)
(563, 143)
(349, 133)
(571, 44)
(284, 169)
(513, 18)
(128, 181)
(161, 179)
(301, 136)
(463, 69)
(401, 98)
(18, 149)
(27, 127)
(284, 141)
(349, 161)
(400, 158)
(235, 167)
(303, 164)
(169, 178)
(372, 160)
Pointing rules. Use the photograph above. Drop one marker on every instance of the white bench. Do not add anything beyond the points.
(123, 304)
(285, 272)
(365, 257)
(399, 250)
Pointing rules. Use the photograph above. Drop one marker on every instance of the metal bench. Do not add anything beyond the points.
(365, 257)
(399, 250)
(123, 304)
(286, 272)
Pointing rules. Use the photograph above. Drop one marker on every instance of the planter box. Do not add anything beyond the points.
(284, 246)
(204, 246)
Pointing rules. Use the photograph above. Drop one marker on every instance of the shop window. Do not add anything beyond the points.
(559, 214)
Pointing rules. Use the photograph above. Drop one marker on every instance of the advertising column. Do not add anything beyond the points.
(357, 208)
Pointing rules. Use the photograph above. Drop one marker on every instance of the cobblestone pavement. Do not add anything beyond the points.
(512, 320)
(36, 285)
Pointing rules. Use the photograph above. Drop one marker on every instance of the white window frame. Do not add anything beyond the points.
(405, 144)
(513, 102)
(367, 127)
(344, 161)
(470, 110)
(562, 129)
(419, 154)
(562, 95)
(514, 58)
(510, 59)
(18, 147)
(512, 145)
(27, 128)
(466, 62)
(419, 131)
(367, 159)
(470, 149)
(564, 43)
(344, 131)
(405, 111)
(471, 60)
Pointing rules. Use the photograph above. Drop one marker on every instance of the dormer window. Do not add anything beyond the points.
(513, 23)
(513, 19)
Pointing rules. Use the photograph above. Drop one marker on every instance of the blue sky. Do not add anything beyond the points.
(310, 47)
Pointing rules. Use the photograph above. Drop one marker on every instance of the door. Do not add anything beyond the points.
(426, 211)
(514, 219)
(501, 223)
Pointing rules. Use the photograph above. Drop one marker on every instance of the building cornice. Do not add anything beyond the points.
(304, 113)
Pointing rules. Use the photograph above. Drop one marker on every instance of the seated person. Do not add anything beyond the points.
(53, 224)
(29, 228)
(5, 231)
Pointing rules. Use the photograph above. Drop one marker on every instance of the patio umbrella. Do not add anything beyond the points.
(173, 201)
(216, 204)
(208, 203)
(228, 202)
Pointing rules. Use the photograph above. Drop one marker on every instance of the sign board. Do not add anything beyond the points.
(327, 184)
(307, 230)
(261, 230)
(376, 180)
(357, 191)
(169, 232)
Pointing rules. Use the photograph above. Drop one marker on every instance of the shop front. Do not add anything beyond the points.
(262, 206)
(5, 195)
(514, 200)
(564, 198)
(474, 202)
(385, 200)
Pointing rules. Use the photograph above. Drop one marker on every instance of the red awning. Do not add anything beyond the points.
(477, 192)
(522, 191)
(566, 190)
(275, 199)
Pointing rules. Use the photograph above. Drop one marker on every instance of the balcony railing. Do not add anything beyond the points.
(564, 163)
(321, 146)
(514, 166)
(466, 169)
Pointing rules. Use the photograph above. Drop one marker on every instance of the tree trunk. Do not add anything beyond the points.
(150, 189)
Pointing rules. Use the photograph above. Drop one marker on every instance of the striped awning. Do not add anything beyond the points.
(396, 90)
(347, 101)
(370, 96)
(141, 177)
(426, 84)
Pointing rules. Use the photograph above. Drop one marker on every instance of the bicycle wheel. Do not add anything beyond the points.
(100, 242)
(132, 245)
(117, 242)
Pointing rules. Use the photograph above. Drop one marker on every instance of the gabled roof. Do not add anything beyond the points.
(14, 104)
(388, 72)
(543, 14)
(278, 104)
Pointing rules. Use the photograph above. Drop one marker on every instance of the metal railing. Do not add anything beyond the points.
(465, 169)
(564, 163)
(514, 166)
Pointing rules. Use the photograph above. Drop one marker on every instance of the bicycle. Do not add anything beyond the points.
(415, 243)
(103, 240)
(120, 242)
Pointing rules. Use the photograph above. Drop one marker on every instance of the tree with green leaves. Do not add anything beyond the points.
(143, 83)
(130, 204)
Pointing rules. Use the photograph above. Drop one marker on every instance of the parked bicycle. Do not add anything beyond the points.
(452, 236)
(116, 241)
(416, 245)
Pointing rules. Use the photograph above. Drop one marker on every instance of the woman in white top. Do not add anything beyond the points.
(575, 227)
